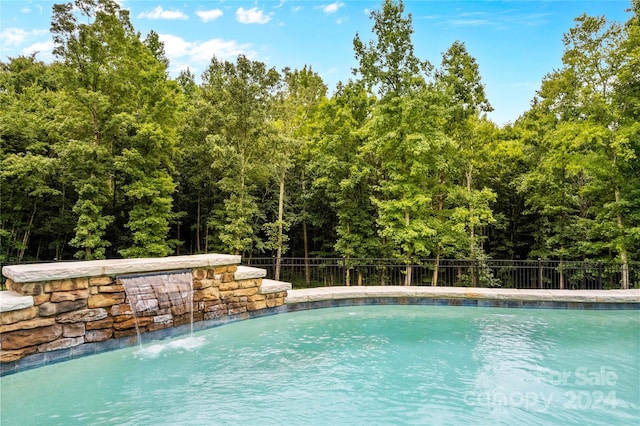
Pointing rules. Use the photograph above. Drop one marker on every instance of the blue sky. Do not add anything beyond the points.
(514, 42)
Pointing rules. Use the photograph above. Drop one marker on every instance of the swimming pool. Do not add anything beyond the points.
(355, 365)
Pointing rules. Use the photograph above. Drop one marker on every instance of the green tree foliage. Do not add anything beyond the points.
(294, 106)
(103, 154)
(241, 95)
(120, 141)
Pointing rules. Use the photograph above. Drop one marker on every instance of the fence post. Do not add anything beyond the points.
(540, 273)
(599, 274)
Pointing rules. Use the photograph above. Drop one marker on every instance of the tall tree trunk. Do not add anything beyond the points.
(27, 233)
(472, 233)
(280, 223)
(198, 224)
(305, 239)
(624, 257)
(409, 270)
(436, 267)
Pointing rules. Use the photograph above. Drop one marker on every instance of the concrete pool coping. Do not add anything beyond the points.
(311, 298)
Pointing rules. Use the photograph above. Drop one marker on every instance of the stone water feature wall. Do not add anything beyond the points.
(69, 309)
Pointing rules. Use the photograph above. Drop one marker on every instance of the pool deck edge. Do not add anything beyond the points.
(319, 294)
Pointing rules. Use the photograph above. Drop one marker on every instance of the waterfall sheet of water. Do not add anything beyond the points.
(159, 298)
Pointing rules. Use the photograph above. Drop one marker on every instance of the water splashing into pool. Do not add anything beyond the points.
(159, 298)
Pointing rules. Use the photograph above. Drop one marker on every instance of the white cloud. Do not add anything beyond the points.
(296, 9)
(209, 15)
(252, 16)
(160, 13)
(13, 36)
(17, 36)
(25, 9)
(43, 49)
(222, 49)
(174, 46)
(332, 8)
(180, 51)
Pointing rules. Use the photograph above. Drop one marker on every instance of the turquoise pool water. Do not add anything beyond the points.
(357, 365)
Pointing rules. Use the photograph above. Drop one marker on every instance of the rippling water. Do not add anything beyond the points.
(360, 365)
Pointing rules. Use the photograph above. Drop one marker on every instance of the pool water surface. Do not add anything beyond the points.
(355, 365)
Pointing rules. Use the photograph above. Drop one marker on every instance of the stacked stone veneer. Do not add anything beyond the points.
(42, 315)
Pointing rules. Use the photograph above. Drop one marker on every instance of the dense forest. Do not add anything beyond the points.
(105, 155)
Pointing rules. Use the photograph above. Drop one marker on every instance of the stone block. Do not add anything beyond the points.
(180, 310)
(10, 284)
(249, 283)
(238, 310)
(41, 298)
(100, 281)
(66, 285)
(64, 343)
(65, 296)
(24, 338)
(182, 320)
(49, 308)
(245, 292)
(12, 301)
(229, 285)
(207, 294)
(227, 277)
(103, 300)
(159, 326)
(100, 324)
(198, 316)
(199, 273)
(111, 289)
(124, 333)
(8, 356)
(204, 283)
(257, 298)
(27, 325)
(123, 309)
(121, 318)
(223, 269)
(11, 317)
(131, 323)
(98, 335)
(214, 315)
(82, 315)
(73, 329)
(27, 289)
(254, 306)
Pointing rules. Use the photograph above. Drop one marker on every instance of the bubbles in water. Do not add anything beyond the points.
(154, 350)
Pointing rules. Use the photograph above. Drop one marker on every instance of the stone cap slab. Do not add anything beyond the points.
(583, 296)
(10, 301)
(273, 286)
(249, 273)
(111, 267)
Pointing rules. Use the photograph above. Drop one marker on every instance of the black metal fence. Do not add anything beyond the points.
(523, 274)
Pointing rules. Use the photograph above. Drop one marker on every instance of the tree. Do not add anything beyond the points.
(341, 174)
(459, 76)
(293, 108)
(400, 132)
(126, 106)
(240, 94)
(590, 146)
